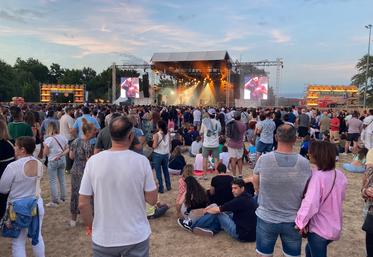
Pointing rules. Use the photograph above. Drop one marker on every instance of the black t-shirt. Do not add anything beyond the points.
(223, 189)
(243, 208)
(6, 155)
(177, 163)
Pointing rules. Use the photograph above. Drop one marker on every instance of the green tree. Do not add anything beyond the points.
(55, 73)
(7, 86)
(359, 79)
(35, 67)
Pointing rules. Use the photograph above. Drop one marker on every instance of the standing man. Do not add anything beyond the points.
(303, 124)
(334, 128)
(367, 134)
(355, 127)
(50, 118)
(120, 225)
(237, 130)
(279, 180)
(66, 129)
(197, 116)
(210, 130)
(266, 129)
(78, 124)
(324, 124)
(18, 128)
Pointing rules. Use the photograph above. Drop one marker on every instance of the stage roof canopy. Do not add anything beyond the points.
(191, 56)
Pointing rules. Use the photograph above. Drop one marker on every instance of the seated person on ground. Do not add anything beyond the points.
(220, 190)
(196, 146)
(241, 226)
(198, 163)
(358, 162)
(187, 172)
(176, 162)
(224, 157)
(192, 202)
(177, 141)
(156, 211)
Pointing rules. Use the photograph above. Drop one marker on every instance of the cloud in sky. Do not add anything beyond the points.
(280, 37)
(82, 32)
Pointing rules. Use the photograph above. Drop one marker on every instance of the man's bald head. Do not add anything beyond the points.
(119, 128)
(286, 134)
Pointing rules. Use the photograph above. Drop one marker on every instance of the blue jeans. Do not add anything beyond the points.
(56, 170)
(217, 222)
(267, 234)
(316, 246)
(160, 162)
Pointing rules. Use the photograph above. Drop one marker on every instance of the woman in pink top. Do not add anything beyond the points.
(321, 208)
(187, 171)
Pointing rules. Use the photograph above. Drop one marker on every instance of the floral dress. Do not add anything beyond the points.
(82, 151)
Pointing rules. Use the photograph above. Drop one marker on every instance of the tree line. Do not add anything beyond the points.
(25, 76)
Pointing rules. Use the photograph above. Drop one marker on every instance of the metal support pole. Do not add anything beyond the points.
(113, 83)
(367, 71)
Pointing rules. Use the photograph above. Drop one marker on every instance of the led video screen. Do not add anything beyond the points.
(256, 87)
(129, 87)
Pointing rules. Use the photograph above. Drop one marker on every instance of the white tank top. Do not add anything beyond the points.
(163, 144)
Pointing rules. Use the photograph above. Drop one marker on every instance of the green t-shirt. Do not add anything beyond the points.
(19, 129)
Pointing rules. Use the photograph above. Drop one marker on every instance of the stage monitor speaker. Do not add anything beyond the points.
(145, 84)
(235, 80)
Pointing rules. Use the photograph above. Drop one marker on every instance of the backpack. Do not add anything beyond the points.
(232, 130)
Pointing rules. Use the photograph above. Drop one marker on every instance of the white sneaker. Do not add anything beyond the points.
(52, 204)
(72, 223)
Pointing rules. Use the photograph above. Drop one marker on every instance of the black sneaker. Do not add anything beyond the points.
(185, 224)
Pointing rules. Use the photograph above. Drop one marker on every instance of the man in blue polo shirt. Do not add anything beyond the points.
(78, 124)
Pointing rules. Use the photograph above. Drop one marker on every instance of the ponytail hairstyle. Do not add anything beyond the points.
(87, 127)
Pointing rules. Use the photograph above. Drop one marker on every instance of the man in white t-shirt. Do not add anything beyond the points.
(210, 130)
(120, 226)
(197, 115)
(66, 129)
(367, 133)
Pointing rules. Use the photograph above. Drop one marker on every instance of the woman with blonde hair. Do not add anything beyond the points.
(55, 148)
(6, 157)
(80, 151)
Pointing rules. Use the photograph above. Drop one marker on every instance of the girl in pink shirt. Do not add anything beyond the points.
(187, 171)
(321, 210)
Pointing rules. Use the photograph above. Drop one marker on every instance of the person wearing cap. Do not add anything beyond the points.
(235, 142)
(210, 130)
(367, 194)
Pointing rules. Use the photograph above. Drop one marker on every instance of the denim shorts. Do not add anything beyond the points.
(263, 148)
(267, 234)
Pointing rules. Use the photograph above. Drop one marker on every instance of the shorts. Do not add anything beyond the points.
(353, 137)
(267, 234)
(263, 148)
(213, 150)
(196, 123)
(334, 135)
(302, 131)
(235, 153)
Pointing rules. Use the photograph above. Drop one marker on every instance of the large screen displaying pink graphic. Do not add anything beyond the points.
(256, 87)
(129, 87)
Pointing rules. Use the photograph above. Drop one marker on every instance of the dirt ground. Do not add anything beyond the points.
(168, 239)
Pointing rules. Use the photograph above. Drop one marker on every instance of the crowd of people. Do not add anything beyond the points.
(109, 152)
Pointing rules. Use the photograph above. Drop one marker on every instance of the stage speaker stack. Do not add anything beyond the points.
(145, 85)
